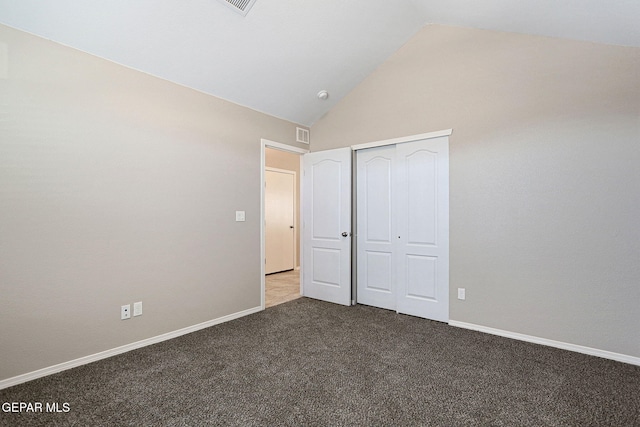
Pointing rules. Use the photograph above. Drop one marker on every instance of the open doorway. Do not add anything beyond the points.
(280, 215)
(281, 169)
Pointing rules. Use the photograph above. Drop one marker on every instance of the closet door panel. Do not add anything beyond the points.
(403, 228)
(375, 234)
(422, 227)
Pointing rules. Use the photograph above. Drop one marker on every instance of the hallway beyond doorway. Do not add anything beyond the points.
(282, 287)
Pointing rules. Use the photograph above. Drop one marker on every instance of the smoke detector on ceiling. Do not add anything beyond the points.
(323, 95)
(240, 6)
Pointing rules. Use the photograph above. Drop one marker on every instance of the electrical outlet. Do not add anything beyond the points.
(461, 293)
(137, 308)
(125, 312)
(240, 216)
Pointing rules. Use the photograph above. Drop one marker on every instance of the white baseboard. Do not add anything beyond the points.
(119, 350)
(551, 343)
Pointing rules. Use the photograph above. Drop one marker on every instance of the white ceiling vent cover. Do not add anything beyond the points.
(240, 6)
(302, 135)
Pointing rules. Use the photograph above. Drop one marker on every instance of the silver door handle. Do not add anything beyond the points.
(345, 234)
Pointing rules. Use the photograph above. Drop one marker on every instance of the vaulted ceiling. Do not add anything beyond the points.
(283, 52)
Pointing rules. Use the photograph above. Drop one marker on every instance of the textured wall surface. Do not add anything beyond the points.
(117, 187)
(544, 174)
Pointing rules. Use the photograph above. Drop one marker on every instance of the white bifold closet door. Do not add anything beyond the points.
(403, 228)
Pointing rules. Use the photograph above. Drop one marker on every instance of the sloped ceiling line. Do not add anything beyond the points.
(276, 58)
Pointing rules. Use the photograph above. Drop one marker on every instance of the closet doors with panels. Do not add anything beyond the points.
(402, 204)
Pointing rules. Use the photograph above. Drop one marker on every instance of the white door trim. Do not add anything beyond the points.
(264, 143)
(393, 141)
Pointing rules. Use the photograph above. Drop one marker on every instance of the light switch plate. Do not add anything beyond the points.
(137, 308)
(240, 216)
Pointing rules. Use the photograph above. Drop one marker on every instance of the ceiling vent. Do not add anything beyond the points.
(240, 6)
(302, 135)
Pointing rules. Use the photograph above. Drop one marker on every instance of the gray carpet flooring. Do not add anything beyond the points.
(310, 363)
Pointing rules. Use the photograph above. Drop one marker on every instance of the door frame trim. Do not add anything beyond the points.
(264, 144)
(393, 141)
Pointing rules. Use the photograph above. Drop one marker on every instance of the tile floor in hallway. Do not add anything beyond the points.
(282, 287)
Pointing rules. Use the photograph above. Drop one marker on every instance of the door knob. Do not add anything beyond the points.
(345, 234)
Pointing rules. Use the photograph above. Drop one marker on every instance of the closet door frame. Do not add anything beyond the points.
(441, 313)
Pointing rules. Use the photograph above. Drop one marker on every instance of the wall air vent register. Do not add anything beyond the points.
(302, 135)
(240, 6)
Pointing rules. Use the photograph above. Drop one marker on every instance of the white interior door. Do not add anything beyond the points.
(423, 228)
(403, 228)
(279, 213)
(376, 248)
(326, 217)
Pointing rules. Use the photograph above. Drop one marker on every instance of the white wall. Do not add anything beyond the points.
(544, 174)
(118, 187)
